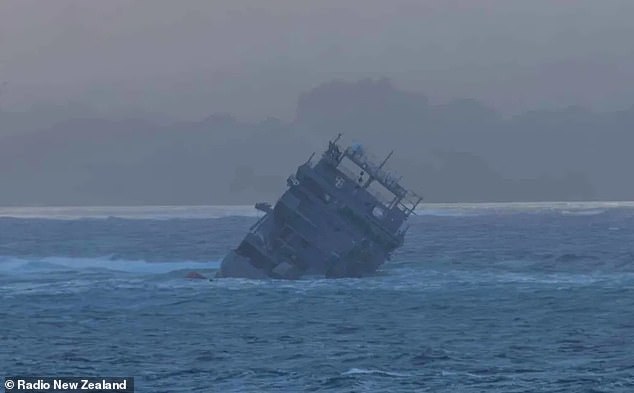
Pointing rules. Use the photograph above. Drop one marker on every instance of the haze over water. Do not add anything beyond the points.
(197, 102)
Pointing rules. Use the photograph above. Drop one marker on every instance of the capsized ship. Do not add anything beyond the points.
(342, 216)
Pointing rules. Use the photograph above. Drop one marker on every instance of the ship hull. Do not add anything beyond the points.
(234, 265)
(237, 266)
(329, 222)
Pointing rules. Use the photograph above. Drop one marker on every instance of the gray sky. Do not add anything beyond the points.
(252, 58)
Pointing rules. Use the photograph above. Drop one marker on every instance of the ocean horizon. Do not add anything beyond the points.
(217, 211)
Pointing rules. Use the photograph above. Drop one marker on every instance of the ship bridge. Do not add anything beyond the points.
(384, 185)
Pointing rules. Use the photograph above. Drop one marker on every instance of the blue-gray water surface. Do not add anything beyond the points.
(487, 299)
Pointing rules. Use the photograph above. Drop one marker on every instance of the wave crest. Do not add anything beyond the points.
(13, 265)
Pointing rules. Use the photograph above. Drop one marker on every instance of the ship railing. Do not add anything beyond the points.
(367, 162)
(410, 201)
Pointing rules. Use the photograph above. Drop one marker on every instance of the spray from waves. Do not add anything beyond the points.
(18, 266)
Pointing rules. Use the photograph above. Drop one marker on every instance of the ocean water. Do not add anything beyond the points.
(481, 298)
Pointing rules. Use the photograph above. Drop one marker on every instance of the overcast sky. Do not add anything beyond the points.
(252, 58)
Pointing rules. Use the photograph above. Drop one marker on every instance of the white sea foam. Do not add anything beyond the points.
(447, 373)
(582, 212)
(13, 265)
(355, 371)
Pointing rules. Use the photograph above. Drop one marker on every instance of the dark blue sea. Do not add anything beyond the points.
(481, 298)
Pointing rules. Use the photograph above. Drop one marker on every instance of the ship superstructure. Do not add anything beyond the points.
(341, 216)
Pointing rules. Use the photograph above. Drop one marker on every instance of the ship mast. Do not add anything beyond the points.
(386, 158)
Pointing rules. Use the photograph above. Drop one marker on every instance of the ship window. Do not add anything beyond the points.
(352, 171)
(384, 195)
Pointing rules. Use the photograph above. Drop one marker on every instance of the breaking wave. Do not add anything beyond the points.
(20, 266)
(129, 212)
(580, 212)
(357, 371)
